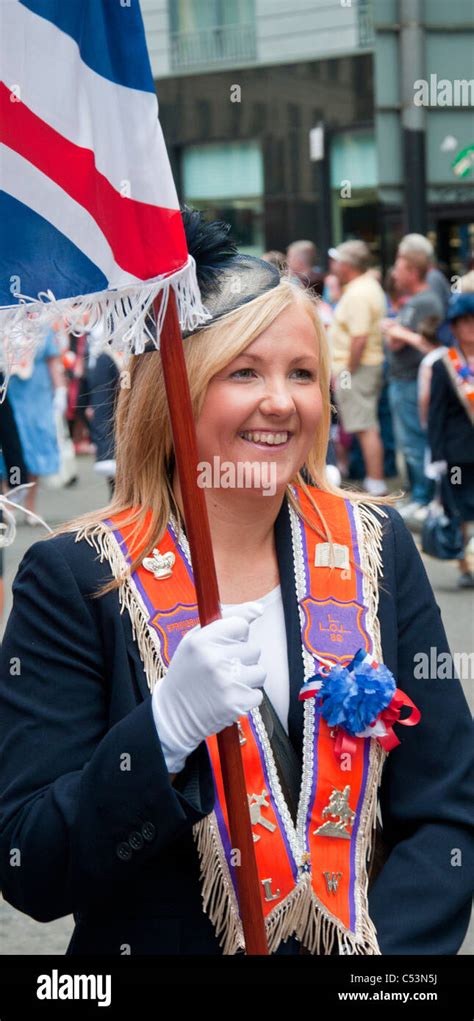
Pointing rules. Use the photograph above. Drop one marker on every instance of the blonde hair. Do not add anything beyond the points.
(143, 433)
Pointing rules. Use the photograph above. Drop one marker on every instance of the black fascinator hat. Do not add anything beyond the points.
(226, 279)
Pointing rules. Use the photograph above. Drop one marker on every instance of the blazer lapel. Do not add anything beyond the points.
(284, 550)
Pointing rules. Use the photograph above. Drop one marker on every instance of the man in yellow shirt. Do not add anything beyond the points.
(355, 338)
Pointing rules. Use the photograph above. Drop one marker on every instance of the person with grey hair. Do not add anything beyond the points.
(434, 278)
(301, 258)
(407, 348)
(355, 337)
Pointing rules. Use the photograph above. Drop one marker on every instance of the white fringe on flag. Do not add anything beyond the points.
(122, 313)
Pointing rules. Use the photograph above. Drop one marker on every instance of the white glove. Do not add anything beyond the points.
(212, 680)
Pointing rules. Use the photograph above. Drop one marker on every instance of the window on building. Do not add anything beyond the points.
(209, 32)
(333, 70)
(194, 15)
(353, 166)
(227, 182)
(365, 17)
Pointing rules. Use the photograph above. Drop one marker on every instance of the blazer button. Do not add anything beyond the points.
(124, 851)
(136, 840)
(148, 831)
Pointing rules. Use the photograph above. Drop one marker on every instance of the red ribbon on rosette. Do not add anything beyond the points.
(344, 744)
(391, 715)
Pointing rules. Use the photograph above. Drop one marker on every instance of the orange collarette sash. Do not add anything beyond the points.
(462, 379)
(313, 875)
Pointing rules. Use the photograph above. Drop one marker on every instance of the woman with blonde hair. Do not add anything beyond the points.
(112, 694)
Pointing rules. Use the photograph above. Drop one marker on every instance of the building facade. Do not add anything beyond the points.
(273, 118)
(424, 123)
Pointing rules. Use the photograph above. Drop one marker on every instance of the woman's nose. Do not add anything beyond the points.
(277, 400)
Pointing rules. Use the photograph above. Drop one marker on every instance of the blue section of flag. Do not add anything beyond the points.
(41, 257)
(109, 33)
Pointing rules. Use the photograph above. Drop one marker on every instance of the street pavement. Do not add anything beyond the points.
(20, 934)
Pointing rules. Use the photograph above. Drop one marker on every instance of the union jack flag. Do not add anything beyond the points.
(90, 219)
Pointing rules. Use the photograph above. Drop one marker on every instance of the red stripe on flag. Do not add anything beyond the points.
(146, 240)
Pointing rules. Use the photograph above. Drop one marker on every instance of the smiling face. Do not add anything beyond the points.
(266, 404)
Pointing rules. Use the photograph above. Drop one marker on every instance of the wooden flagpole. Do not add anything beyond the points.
(207, 592)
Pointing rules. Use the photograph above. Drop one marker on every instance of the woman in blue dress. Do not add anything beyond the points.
(34, 395)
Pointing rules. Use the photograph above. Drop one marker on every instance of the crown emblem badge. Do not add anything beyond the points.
(160, 564)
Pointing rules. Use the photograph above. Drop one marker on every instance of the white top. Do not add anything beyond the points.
(269, 633)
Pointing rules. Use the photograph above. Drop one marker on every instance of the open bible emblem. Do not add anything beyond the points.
(332, 556)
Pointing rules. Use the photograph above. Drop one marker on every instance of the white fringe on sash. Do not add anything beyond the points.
(217, 890)
(101, 538)
(300, 913)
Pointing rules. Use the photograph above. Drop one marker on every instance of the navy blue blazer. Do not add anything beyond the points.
(115, 846)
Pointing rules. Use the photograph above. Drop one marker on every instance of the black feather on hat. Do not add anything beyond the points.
(209, 244)
(226, 278)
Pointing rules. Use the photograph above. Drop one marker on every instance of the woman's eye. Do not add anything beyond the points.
(238, 372)
(306, 372)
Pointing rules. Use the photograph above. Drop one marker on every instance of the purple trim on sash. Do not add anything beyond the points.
(224, 835)
(294, 867)
(355, 830)
(120, 540)
(146, 600)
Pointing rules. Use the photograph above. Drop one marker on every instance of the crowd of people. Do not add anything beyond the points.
(402, 354)
(59, 405)
(402, 374)
(62, 391)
